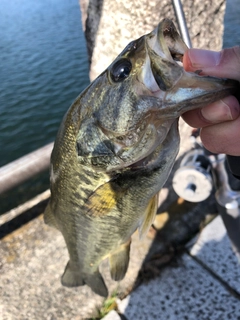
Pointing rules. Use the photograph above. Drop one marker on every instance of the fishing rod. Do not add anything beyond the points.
(200, 171)
(181, 21)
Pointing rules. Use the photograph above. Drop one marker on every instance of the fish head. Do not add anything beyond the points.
(139, 97)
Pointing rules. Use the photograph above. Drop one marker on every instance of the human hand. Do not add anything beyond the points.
(219, 121)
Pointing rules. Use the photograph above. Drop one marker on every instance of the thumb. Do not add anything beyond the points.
(224, 64)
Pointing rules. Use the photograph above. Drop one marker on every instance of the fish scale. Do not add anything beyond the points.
(115, 149)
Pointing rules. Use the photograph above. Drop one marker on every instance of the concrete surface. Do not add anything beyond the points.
(204, 283)
(30, 270)
(32, 260)
(213, 250)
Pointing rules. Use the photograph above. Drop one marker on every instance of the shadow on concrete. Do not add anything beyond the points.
(190, 287)
(25, 217)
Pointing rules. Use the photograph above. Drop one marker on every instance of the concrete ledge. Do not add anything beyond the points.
(204, 288)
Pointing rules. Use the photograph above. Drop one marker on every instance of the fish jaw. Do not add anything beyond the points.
(180, 90)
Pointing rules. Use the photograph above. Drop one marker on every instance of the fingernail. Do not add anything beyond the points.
(204, 58)
(217, 112)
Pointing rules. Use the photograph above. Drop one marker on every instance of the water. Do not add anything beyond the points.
(231, 36)
(43, 68)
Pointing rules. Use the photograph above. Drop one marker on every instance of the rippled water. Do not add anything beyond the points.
(43, 67)
(231, 36)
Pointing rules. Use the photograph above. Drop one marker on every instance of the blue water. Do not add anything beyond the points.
(231, 35)
(43, 67)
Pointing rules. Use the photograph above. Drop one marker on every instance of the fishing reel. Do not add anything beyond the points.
(199, 173)
(193, 181)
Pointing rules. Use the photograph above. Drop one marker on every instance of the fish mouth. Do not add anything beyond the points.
(166, 78)
(165, 49)
(177, 90)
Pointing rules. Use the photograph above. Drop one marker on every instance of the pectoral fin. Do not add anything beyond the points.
(103, 200)
(73, 277)
(149, 216)
(119, 261)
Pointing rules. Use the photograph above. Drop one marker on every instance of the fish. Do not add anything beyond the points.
(114, 151)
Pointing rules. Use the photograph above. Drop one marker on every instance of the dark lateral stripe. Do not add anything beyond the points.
(83, 177)
(89, 173)
(82, 194)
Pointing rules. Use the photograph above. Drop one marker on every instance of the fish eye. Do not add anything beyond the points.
(121, 70)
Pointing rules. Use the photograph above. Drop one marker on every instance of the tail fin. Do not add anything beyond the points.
(72, 277)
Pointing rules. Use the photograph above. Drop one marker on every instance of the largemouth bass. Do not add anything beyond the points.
(115, 149)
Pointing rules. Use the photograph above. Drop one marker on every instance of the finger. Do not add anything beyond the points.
(223, 110)
(224, 64)
(222, 137)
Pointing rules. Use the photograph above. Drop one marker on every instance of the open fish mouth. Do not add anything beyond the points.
(165, 41)
(165, 50)
(180, 90)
